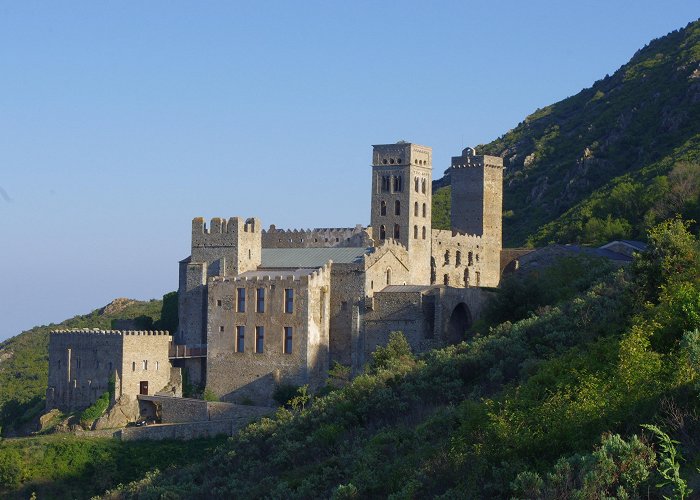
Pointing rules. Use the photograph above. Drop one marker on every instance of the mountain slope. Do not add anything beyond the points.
(598, 164)
(24, 358)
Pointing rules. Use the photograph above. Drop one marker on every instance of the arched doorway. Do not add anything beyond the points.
(459, 324)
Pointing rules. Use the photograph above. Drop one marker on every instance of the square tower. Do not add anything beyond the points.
(477, 195)
(401, 202)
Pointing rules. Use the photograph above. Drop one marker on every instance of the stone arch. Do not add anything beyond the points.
(459, 324)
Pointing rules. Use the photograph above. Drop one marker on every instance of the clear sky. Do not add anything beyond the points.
(121, 121)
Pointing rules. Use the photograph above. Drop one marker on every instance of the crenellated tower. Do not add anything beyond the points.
(226, 248)
(477, 195)
(401, 202)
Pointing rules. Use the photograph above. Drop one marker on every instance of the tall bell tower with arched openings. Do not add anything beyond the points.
(401, 202)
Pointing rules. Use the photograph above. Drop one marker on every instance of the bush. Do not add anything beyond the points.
(396, 353)
(95, 411)
(11, 468)
(209, 395)
(283, 393)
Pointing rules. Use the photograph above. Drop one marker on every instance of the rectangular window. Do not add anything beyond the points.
(240, 338)
(241, 300)
(218, 303)
(288, 339)
(261, 300)
(221, 328)
(288, 300)
(259, 339)
(144, 364)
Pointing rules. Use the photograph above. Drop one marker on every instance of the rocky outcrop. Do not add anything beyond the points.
(124, 411)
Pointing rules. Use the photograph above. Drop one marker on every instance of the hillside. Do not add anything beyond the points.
(610, 161)
(24, 358)
(549, 404)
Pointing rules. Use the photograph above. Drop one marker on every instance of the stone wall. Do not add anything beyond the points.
(319, 237)
(347, 292)
(81, 363)
(250, 375)
(462, 260)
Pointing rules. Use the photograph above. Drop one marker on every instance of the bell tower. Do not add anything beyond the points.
(401, 202)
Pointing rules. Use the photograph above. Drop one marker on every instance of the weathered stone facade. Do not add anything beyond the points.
(82, 362)
(260, 308)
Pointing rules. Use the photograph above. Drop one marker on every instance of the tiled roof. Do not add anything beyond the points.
(295, 258)
(405, 288)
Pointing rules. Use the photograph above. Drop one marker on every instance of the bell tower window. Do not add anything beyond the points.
(397, 207)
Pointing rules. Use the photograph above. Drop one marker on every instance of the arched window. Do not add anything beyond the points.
(415, 209)
(466, 276)
(386, 182)
(446, 279)
(423, 232)
(447, 257)
(416, 184)
(397, 207)
(432, 270)
(478, 278)
(458, 258)
(397, 184)
(415, 232)
(397, 232)
(382, 207)
(422, 186)
(477, 257)
(388, 276)
(470, 258)
(424, 210)
(382, 232)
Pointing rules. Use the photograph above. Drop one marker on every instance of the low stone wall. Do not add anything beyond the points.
(186, 410)
(192, 430)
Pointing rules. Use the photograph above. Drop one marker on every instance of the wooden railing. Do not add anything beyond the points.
(188, 351)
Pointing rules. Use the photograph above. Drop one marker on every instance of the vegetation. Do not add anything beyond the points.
(65, 466)
(610, 161)
(548, 405)
(24, 358)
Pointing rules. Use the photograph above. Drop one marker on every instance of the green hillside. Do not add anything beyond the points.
(613, 159)
(24, 358)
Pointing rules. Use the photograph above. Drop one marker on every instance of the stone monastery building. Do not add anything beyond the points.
(259, 308)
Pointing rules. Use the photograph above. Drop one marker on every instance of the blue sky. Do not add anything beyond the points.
(120, 122)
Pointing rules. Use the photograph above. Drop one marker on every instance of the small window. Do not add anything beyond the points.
(289, 300)
(133, 366)
(144, 364)
(218, 303)
(397, 207)
(259, 339)
(446, 279)
(397, 231)
(415, 232)
(157, 365)
(470, 258)
(466, 276)
(477, 276)
(221, 328)
(249, 254)
(424, 232)
(241, 300)
(384, 161)
(382, 232)
(240, 338)
(447, 257)
(386, 182)
(288, 339)
(382, 208)
(261, 300)
(415, 209)
(344, 305)
(477, 257)
(425, 210)
(458, 258)
(422, 186)
(397, 184)
(415, 182)
(388, 276)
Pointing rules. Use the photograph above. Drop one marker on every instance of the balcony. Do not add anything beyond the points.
(187, 351)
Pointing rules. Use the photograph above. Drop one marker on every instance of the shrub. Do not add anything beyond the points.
(209, 395)
(284, 392)
(95, 411)
(396, 353)
(11, 468)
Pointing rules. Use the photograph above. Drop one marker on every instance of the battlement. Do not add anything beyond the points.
(316, 237)
(453, 236)
(220, 226)
(469, 159)
(97, 331)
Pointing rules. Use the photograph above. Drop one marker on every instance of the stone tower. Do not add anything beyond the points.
(401, 202)
(226, 248)
(477, 196)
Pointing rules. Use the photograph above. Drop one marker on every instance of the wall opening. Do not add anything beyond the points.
(459, 324)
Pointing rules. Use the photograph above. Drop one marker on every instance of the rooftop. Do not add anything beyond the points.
(298, 258)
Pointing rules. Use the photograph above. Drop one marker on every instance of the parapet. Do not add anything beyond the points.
(385, 246)
(469, 159)
(315, 238)
(97, 331)
(222, 232)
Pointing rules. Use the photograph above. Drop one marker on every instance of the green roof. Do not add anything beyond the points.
(295, 258)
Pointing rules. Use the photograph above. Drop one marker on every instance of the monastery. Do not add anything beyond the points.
(259, 308)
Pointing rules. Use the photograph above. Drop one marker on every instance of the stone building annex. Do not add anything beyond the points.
(259, 308)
